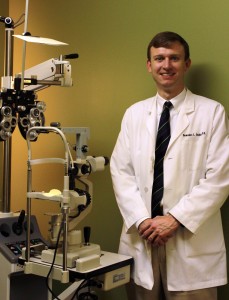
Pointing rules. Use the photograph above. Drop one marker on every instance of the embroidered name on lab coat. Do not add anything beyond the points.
(195, 134)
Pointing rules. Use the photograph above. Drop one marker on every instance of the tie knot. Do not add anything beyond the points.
(167, 104)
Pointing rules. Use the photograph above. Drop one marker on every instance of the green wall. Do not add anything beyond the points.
(111, 38)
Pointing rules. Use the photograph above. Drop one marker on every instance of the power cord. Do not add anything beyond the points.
(51, 268)
(87, 295)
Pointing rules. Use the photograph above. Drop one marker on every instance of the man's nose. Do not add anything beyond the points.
(167, 63)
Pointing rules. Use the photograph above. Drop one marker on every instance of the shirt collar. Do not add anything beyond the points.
(176, 101)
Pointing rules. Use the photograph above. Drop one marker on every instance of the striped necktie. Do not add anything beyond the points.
(163, 137)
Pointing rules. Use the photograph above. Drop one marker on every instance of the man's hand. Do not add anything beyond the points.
(158, 230)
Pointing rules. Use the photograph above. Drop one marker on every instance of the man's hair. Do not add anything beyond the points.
(166, 39)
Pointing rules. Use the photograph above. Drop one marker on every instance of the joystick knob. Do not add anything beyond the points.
(87, 233)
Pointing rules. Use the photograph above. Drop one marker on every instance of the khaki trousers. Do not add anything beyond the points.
(160, 291)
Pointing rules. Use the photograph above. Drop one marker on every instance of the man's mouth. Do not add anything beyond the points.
(167, 74)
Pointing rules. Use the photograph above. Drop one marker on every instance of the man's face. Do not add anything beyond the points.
(168, 67)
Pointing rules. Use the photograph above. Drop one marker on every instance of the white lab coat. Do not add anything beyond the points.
(196, 184)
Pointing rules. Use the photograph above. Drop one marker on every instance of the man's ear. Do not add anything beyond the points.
(188, 64)
(148, 65)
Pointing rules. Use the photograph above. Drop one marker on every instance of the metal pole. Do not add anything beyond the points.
(24, 44)
(8, 143)
(28, 217)
(9, 52)
(65, 211)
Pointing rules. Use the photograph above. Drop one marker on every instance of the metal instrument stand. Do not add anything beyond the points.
(64, 199)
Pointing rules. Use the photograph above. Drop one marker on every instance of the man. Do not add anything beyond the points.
(177, 240)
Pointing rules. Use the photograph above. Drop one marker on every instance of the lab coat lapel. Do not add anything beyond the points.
(183, 118)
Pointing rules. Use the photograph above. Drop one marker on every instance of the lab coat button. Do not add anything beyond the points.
(145, 189)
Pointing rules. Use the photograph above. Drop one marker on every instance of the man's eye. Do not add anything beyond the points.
(159, 58)
(174, 58)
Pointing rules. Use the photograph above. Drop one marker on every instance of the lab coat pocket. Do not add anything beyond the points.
(128, 237)
(194, 152)
(208, 240)
(137, 248)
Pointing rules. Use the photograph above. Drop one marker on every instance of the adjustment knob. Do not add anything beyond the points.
(87, 233)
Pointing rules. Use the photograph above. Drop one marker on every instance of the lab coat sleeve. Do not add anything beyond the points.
(125, 182)
(206, 198)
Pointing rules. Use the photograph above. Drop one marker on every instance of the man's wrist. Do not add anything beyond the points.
(175, 219)
(140, 221)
